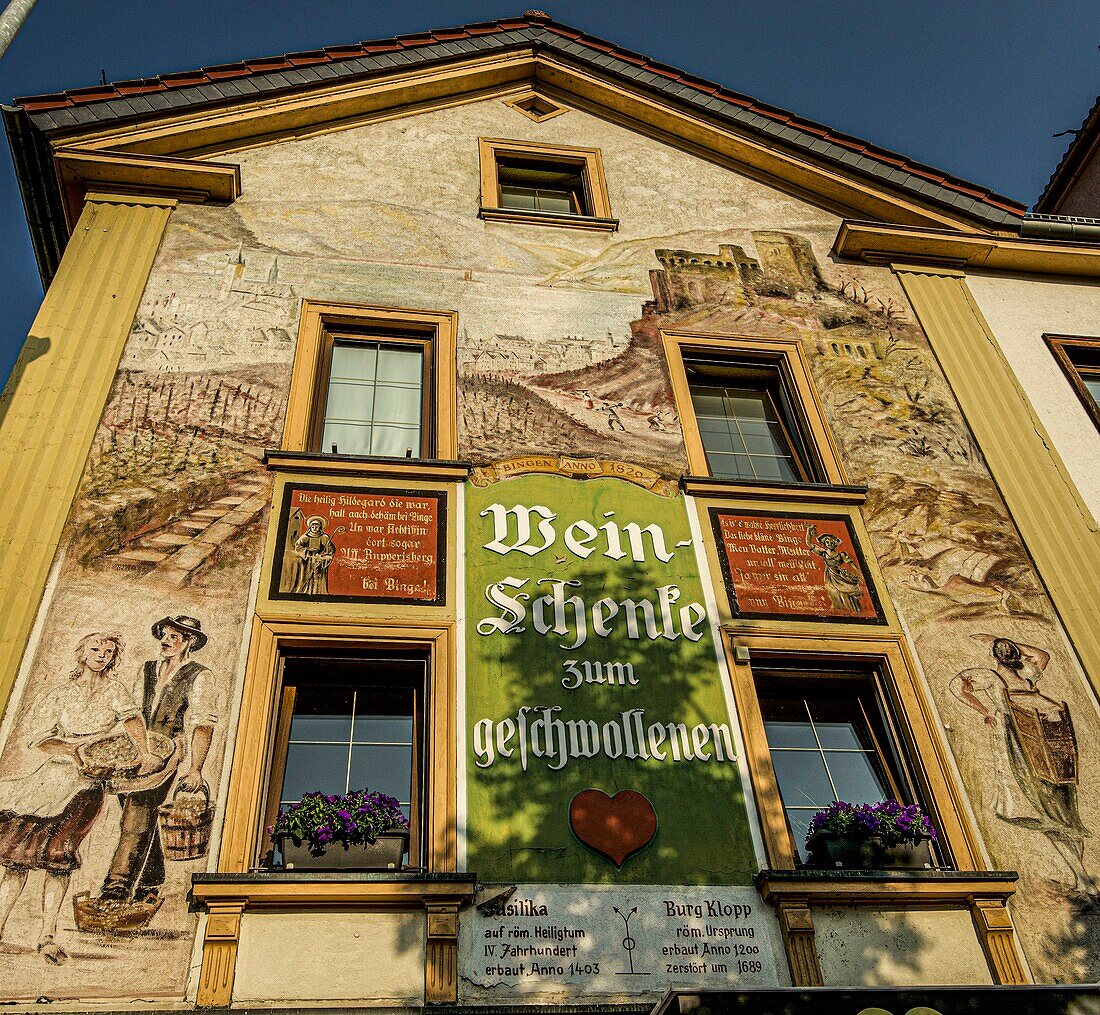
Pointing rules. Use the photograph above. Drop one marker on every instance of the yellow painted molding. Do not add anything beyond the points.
(243, 834)
(857, 891)
(52, 403)
(947, 252)
(80, 173)
(1059, 531)
(227, 901)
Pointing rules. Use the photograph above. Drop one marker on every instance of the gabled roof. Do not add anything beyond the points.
(1082, 150)
(55, 116)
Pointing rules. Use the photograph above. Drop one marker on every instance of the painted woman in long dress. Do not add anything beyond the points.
(842, 582)
(47, 813)
(1033, 748)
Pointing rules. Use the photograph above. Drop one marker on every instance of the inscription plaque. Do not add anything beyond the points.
(350, 544)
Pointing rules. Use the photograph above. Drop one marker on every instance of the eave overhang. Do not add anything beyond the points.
(882, 243)
(187, 117)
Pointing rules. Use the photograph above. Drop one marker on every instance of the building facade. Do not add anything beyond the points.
(611, 468)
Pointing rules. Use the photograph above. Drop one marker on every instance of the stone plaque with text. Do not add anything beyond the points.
(349, 544)
(779, 567)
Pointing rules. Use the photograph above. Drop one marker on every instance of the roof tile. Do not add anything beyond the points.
(249, 77)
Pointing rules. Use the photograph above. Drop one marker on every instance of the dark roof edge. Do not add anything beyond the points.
(30, 130)
(226, 83)
(30, 152)
(1086, 137)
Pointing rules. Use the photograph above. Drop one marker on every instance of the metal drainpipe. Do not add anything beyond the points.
(12, 20)
(1060, 227)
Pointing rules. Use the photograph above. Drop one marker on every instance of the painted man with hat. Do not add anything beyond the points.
(179, 700)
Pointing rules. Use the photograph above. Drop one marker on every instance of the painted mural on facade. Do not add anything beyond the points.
(1018, 716)
(560, 355)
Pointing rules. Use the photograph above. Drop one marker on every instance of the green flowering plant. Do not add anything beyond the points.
(352, 819)
(891, 822)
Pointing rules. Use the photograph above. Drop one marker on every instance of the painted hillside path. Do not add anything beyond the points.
(172, 554)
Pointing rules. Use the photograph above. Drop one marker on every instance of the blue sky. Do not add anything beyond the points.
(974, 88)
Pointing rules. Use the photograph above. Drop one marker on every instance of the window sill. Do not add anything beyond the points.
(870, 887)
(761, 489)
(366, 465)
(318, 889)
(545, 218)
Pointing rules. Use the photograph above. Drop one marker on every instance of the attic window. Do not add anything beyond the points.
(540, 184)
(535, 107)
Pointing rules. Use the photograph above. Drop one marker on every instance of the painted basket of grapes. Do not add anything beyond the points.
(185, 823)
(115, 759)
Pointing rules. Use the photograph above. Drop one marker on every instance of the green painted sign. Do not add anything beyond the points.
(590, 665)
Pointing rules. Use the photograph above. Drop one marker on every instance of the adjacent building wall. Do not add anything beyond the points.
(1019, 312)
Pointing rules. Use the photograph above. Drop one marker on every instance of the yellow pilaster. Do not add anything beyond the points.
(55, 396)
(1057, 528)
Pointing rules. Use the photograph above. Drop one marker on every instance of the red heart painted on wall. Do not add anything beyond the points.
(616, 826)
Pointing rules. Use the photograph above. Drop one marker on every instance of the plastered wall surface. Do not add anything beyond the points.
(368, 958)
(559, 353)
(1020, 312)
(868, 947)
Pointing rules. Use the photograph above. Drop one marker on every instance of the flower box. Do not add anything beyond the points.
(852, 852)
(385, 853)
(359, 830)
(881, 836)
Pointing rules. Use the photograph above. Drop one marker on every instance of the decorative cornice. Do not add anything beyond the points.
(122, 173)
(951, 251)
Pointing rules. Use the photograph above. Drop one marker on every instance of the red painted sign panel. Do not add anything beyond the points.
(353, 544)
(794, 566)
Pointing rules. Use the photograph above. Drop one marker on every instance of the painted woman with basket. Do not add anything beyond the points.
(47, 813)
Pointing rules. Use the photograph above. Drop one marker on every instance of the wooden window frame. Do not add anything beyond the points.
(1062, 348)
(927, 755)
(901, 772)
(286, 696)
(322, 324)
(787, 358)
(588, 160)
(244, 835)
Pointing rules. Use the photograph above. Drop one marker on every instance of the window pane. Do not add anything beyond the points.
(354, 361)
(383, 729)
(321, 713)
(855, 777)
(724, 466)
(315, 768)
(841, 735)
(1092, 384)
(396, 404)
(748, 404)
(350, 400)
(385, 769)
(708, 401)
(558, 201)
(789, 733)
(395, 441)
(400, 365)
(773, 468)
(803, 781)
(349, 438)
(719, 439)
(770, 442)
(800, 828)
(522, 198)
